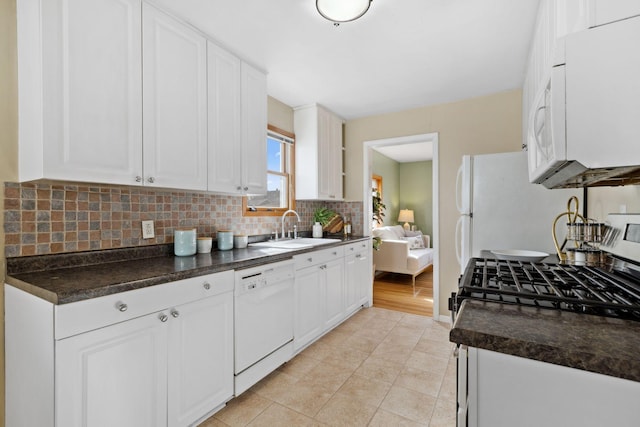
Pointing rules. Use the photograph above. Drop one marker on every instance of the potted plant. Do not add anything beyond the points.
(378, 215)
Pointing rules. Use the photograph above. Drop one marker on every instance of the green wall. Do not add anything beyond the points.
(406, 186)
(416, 193)
(389, 170)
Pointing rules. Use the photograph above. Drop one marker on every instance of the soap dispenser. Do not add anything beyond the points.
(317, 230)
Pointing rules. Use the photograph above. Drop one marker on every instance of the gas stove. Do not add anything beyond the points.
(611, 288)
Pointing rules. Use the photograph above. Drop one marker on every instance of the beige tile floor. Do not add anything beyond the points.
(379, 368)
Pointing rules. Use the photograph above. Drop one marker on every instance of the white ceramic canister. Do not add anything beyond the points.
(225, 240)
(184, 241)
(240, 241)
(317, 230)
(204, 245)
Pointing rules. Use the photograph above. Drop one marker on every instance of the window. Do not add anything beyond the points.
(280, 177)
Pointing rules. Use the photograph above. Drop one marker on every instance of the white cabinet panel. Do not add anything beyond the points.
(333, 273)
(200, 358)
(90, 106)
(254, 130)
(225, 150)
(174, 102)
(113, 376)
(358, 271)
(318, 153)
(308, 313)
(605, 11)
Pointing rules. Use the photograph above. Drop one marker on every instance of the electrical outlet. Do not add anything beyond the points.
(147, 230)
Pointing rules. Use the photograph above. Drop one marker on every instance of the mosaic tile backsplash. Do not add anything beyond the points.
(49, 218)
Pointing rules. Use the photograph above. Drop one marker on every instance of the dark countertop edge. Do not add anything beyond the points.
(587, 361)
(118, 287)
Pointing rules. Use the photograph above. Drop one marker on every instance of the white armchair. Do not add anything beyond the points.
(396, 254)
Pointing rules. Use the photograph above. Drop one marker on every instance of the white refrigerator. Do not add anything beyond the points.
(500, 209)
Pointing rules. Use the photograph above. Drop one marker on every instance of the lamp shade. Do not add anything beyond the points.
(342, 10)
(406, 215)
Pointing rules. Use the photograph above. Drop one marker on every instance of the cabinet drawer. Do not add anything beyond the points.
(356, 247)
(82, 316)
(317, 257)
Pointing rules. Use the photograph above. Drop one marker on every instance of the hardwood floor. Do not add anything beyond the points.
(394, 292)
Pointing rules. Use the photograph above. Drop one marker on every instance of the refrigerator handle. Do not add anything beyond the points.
(458, 239)
(459, 188)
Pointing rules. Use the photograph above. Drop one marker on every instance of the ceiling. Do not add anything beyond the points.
(407, 153)
(402, 54)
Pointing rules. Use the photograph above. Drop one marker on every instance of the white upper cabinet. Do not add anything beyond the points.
(225, 150)
(557, 19)
(318, 153)
(80, 90)
(254, 130)
(237, 125)
(174, 102)
(119, 92)
(605, 11)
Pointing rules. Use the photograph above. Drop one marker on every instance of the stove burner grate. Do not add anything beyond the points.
(574, 288)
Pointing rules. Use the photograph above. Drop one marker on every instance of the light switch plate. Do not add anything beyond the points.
(147, 230)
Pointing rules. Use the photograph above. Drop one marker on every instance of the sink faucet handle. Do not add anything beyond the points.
(295, 231)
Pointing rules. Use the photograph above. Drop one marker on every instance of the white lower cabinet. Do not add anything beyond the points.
(157, 356)
(330, 285)
(332, 276)
(505, 391)
(200, 358)
(318, 294)
(113, 376)
(358, 270)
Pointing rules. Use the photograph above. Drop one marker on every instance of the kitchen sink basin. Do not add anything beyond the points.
(302, 243)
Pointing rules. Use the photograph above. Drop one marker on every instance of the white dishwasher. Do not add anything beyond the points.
(263, 317)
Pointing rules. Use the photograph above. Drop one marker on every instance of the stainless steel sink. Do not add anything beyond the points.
(302, 243)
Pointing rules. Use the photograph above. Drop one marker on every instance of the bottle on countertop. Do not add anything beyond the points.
(347, 227)
(317, 230)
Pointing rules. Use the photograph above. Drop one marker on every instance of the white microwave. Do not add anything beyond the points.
(585, 128)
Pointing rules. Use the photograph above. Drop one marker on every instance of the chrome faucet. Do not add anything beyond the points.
(295, 234)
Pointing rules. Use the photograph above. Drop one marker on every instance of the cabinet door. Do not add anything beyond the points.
(357, 280)
(364, 279)
(336, 154)
(351, 286)
(200, 358)
(605, 11)
(308, 311)
(114, 376)
(254, 130)
(174, 102)
(224, 135)
(324, 155)
(92, 88)
(334, 292)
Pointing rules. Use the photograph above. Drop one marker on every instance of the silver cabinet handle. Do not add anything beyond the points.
(310, 259)
(138, 178)
(352, 249)
(206, 285)
(358, 256)
(175, 313)
(238, 188)
(163, 317)
(122, 306)
(151, 179)
(335, 253)
(246, 188)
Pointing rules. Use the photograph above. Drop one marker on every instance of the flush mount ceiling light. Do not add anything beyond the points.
(338, 11)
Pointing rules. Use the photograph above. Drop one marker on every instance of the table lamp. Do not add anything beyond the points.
(406, 216)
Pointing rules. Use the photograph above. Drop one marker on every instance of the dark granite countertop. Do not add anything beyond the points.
(66, 278)
(592, 343)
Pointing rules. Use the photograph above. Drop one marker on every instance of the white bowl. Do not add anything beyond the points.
(520, 255)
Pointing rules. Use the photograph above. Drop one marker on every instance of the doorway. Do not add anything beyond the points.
(368, 148)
